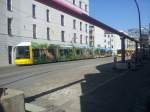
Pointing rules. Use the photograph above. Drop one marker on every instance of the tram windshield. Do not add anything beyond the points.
(22, 52)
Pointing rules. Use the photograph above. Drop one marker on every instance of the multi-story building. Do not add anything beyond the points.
(96, 37)
(91, 36)
(103, 39)
(28, 20)
(112, 41)
(134, 33)
(108, 40)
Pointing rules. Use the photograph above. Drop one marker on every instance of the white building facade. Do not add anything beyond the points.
(27, 20)
(96, 37)
(99, 38)
(112, 41)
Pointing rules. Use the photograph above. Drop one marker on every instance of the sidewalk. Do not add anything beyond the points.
(126, 92)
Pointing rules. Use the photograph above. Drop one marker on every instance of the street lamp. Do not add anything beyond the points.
(139, 22)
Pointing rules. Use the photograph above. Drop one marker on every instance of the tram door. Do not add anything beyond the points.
(9, 54)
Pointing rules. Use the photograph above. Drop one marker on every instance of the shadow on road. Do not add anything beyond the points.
(1, 108)
(117, 91)
(32, 98)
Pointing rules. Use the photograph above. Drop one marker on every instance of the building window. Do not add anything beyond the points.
(62, 20)
(86, 30)
(74, 37)
(62, 36)
(34, 31)
(48, 33)
(9, 26)
(33, 11)
(80, 26)
(86, 7)
(74, 2)
(80, 4)
(47, 15)
(105, 40)
(74, 24)
(9, 5)
(80, 39)
(86, 39)
(105, 35)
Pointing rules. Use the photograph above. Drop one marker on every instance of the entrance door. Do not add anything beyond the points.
(9, 54)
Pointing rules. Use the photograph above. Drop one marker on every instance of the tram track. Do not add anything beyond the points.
(25, 69)
(5, 70)
(35, 71)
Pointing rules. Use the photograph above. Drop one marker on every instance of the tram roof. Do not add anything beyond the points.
(24, 44)
(69, 9)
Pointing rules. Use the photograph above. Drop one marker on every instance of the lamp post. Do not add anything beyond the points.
(139, 22)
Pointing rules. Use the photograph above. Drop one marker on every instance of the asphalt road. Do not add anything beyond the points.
(55, 86)
(81, 86)
(36, 78)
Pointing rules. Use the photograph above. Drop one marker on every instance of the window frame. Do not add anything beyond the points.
(48, 33)
(80, 4)
(75, 38)
(9, 23)
(80, 26)
(62, 20)
(34, 31)
(33, 11)
(81, 39)
(63, 36)
(9, 5)
(47, 15)
(74, 24)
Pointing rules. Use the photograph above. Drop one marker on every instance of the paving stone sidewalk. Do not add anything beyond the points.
(127, 93)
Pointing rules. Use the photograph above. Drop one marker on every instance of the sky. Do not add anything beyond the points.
(120, 14)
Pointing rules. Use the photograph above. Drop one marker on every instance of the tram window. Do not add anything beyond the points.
(22, 52)
(61, 51)
(90, 52)
(43, 53)
(66, 52)
(82, 52)
(52, 51)
(36, 53)
(78, 52)
(70, 52)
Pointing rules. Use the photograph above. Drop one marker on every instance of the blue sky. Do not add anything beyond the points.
(120, 14)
